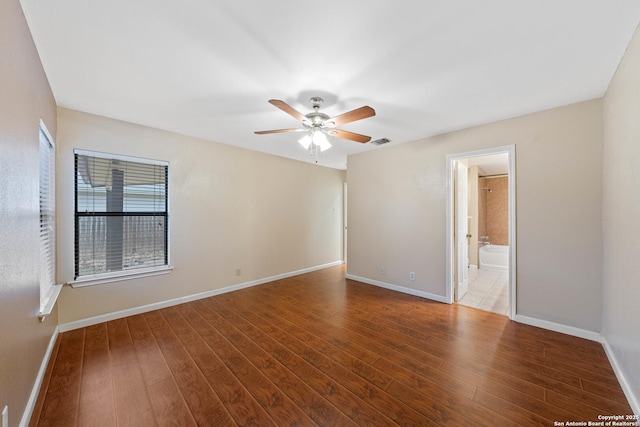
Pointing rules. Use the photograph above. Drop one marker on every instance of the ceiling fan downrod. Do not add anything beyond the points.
(316, 102)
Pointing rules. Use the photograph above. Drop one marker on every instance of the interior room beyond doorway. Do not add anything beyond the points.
(481, 218)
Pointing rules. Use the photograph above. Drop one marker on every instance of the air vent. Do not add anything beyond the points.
(381, 141)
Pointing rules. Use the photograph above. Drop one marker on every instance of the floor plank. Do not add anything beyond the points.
(39, 405)
(132, 403)
(318, 349)
(204, 404)
(238, 401)
(62, 396)
(96, 401)
(294, 356)
(169, 406)
(277, 404)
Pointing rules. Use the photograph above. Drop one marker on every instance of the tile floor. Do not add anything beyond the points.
(488, 290)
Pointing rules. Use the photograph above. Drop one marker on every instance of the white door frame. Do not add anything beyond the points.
(461, 230)
(450, 188)
(344, 224)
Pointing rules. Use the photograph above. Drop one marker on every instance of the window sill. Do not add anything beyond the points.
(47, 308)
(99, 279)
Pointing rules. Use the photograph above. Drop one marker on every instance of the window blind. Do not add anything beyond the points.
(47, 219)
(121, 214)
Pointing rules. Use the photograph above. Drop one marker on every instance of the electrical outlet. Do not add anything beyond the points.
(381, 270)
(412, 275)
(5, 417)
(238, 271)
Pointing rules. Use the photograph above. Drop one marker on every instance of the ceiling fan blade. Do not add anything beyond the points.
(264, 132)
(352, 116)
(349, 135)
(288, 109)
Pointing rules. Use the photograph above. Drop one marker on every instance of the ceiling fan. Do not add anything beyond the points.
(318, 124)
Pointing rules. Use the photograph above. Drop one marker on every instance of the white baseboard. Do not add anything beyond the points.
(28, 412)
(558, 327)
(544, 324)
(634, 400)
(404, 290)
(82, 323)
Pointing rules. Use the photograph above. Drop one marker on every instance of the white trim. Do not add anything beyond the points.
(511, 151)
(634, 400)
(103, 155)
(558, 327)
(51, 302)
(47, 239)
(44, 130)
(448, 276)
(404, 290)
(345, 230)
(82, 323)
(513, 264)
(544, 324)
(28, 411)
(99, 279)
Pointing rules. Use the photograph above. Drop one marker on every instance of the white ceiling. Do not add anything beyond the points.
(207, 68)
(492, 164)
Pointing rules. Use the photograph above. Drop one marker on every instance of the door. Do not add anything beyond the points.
(462, 229)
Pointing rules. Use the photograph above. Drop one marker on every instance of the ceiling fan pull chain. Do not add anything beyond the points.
(313, 151)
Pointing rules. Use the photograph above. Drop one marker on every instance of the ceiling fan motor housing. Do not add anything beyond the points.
(316, 120)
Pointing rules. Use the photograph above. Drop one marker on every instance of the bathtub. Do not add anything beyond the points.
(494, 257)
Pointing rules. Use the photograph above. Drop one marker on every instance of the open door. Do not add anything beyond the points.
(461, 230)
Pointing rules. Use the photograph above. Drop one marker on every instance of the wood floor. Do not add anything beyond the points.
(317, 349)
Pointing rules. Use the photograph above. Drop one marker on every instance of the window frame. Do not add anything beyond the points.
(119, 275)
(49, 289)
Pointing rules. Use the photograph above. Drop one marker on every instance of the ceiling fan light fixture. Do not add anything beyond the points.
(320, 140)
(305, 141)
(316, 138)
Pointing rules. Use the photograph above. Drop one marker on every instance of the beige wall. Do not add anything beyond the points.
(621, 213)
(397, 211)
(230, 208)
(25, 98)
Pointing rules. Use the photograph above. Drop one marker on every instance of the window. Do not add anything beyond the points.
(48, 289)
(121, 216)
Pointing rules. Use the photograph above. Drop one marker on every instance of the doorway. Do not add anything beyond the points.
(480, 272)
